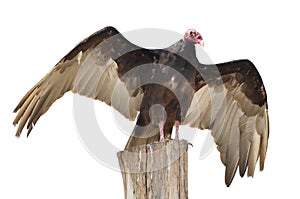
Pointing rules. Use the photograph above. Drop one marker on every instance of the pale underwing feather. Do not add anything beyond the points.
(239, 127)
(88, 73)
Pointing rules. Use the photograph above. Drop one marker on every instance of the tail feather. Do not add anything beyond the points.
(142, 135)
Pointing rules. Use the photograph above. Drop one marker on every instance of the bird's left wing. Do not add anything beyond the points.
(90, 70)
(232, 103)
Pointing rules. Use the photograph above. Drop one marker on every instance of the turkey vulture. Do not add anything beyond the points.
(162, 88)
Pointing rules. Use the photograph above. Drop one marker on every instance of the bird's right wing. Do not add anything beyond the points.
(90, 70)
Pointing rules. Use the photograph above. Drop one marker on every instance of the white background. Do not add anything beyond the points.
(52, 162)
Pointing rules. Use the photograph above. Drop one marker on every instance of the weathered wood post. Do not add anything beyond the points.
(158, 170)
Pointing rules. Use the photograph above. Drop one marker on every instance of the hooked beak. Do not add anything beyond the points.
(200, 39)
(201, 43)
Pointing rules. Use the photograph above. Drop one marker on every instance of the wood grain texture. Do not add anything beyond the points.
(157, 170)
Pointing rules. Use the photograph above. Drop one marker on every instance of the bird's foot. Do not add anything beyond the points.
(161, 131)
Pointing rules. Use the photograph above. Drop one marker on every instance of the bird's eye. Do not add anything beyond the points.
(192, 33)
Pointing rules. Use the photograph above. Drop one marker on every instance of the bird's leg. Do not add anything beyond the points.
(177, 123)
(161, 131)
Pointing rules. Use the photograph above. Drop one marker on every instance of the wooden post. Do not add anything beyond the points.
(158, 170)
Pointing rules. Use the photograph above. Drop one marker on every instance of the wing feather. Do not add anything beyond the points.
(245, 142)
(89, 70)
(236, 113)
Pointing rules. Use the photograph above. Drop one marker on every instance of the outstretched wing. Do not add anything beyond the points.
(232, 103)
(89, 69)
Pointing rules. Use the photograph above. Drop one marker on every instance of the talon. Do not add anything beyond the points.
(162, 139)
(188, 146)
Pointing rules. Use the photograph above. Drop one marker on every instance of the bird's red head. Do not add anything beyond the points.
(191, 36)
